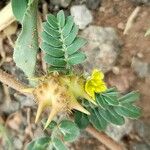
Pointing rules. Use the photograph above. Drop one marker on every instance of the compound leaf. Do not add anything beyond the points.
(61, 44)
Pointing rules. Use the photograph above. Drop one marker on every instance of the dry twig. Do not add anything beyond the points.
(7, 17)
(102, 137)
(131, 19)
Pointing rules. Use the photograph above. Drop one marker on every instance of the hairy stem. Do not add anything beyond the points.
(9, 80)
(12, 82)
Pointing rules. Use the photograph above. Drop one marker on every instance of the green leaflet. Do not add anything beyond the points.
(112, 100)
(76, 45)
(50, 40)
(58, 62)
(81, 120)
(52, 32)
(111, 116)
(68, 26)
(26, 47)
(53, 51)
(101, 101)
(128, 110)
(76, 58)
(97, 120)
(61, 44)
(70, 38)
(19, 8)
(129, 98)
(39, 144)
(69, 130)
(61, 18)
(58, 144)
(52, 21)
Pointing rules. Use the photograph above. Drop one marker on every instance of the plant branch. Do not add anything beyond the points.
(12, 82)
(9, 80)
(103, 138)
(131, 19)
(7, 17)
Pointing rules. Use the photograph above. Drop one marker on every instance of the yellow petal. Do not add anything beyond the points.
(90, 91)
(97, 74)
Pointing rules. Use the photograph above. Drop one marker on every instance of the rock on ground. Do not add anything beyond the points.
(141, 1)
(123, 80)
(140, 67)
(102, 48)
(139, 146)
(61, 3)
(142, 128)
(82, 16)
(93, 4)
(117, 132)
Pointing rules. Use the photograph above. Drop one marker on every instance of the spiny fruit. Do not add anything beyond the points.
(60, 93)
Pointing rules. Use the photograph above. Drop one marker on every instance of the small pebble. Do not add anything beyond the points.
(116, 70)
(82, 16)
(18, 143)
(121, 26)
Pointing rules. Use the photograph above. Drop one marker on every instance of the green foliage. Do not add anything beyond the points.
(69, 130)
(26, 47)
(81, 120)
(52, 125)
(60, 42)
(19, 8)
(61, 132)
(39, 144)
(58, 144)
(5, 138)
(112, 108)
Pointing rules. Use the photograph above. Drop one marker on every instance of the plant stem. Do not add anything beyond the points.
(7, 16)
(7, 79)
(103, 138)
(12, 82)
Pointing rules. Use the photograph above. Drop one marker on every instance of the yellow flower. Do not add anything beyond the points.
(95, 83)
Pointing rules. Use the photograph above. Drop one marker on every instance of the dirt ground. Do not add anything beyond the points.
(111, 13)
(134, 44)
